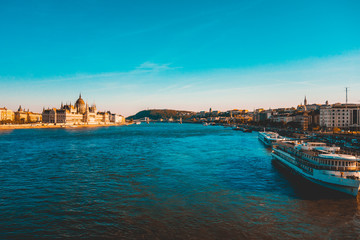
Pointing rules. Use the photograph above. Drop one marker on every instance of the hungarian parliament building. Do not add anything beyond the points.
(80, 113)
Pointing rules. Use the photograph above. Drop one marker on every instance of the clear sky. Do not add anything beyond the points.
(127, 56)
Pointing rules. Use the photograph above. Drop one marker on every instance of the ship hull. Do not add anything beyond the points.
(351, 188)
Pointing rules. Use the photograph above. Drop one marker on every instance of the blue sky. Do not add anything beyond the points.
(131, 55)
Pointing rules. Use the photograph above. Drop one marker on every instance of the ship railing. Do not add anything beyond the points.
(316, 154)
(353, 152)
(338, 168)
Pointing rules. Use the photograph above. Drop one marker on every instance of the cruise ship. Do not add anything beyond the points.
(327, 166)
(268, 138)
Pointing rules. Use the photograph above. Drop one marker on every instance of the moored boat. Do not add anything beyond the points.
(247, 130)
(324, 165)
(268, 138)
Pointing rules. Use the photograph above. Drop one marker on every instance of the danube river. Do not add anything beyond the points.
(159, 181)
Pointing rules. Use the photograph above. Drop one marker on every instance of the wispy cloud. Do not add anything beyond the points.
(150, 67)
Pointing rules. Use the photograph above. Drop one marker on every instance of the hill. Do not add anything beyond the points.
(157, 114)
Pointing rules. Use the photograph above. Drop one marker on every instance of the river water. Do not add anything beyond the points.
(159, 181)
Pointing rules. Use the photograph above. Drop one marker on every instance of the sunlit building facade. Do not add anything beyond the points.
(338, 115)
(80, 113)
(6, 115)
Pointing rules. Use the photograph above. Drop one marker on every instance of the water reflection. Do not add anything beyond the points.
(6, 131)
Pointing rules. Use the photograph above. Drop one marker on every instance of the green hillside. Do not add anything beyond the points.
(156, 114)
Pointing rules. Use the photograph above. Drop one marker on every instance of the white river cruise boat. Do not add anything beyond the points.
(268, 138)
(324, 165)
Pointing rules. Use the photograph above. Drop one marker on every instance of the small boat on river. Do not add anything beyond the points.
(269, 138)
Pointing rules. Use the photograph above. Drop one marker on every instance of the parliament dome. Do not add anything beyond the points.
(80, 105)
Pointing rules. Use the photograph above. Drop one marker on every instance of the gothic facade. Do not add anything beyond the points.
(80, 113)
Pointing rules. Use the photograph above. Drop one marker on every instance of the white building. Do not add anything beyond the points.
(340, 116)
(116, 118)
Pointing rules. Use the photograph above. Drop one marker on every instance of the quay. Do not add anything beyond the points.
(44, 126)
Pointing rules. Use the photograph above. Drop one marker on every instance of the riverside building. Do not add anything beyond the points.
(80, 113)
(6, 115)
(25, 116)
(344, 116)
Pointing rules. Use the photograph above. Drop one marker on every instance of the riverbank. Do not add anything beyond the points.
(26, 126)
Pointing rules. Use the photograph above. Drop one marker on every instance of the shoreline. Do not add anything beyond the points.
(45, 126)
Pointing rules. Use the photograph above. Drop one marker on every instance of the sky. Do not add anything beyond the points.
(128, 56)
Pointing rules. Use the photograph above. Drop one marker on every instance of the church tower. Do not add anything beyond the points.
(305, 101)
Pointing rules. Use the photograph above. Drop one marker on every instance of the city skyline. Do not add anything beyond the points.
(188, 56)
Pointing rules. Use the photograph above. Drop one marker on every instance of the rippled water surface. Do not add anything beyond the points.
(166, 181)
